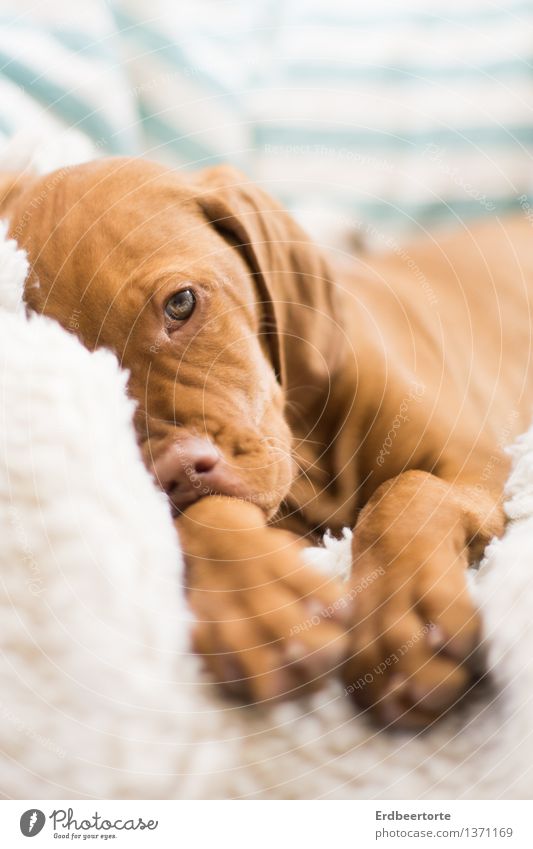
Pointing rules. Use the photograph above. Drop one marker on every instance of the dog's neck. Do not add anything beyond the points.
(331, 420)
(317, 411)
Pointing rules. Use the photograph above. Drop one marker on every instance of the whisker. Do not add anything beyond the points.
(298, 463)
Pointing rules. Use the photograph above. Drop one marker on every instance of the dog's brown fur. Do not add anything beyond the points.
(377, 393)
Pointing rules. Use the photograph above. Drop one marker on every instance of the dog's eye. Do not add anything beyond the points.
(181, 305)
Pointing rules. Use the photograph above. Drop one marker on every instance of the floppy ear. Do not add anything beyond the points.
(293, 279)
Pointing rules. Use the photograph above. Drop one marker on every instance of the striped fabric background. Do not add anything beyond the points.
(384, 118)
(60, 70)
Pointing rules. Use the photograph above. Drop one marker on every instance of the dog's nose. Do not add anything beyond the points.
(188, 471)
(185, 464)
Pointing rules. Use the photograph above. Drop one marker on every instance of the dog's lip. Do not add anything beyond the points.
(178, 505)
(181, 497)
(179, 500)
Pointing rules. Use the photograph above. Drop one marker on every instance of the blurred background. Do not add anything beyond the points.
(370, 121)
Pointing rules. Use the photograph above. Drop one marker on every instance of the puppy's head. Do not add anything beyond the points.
(211, 297)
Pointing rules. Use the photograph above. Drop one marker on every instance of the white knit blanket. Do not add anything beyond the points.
(99, 696)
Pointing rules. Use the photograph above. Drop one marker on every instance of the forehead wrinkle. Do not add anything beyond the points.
(176, 255)
(134, 239)
(94, 190)
(247, 305)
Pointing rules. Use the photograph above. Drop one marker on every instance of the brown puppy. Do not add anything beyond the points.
(273, 387)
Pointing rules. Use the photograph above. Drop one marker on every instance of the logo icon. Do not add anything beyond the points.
(32, 822)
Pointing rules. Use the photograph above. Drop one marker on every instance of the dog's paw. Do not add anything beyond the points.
(268, 627)
(413, 649)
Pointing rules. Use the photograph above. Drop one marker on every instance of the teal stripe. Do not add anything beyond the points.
(5, 126)
(64, 103)
(464, 209)
(78, 42)
(189, 149)
(317, 141)
(390, 18)
(408, 73)
(422, 212)
(167, 50)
